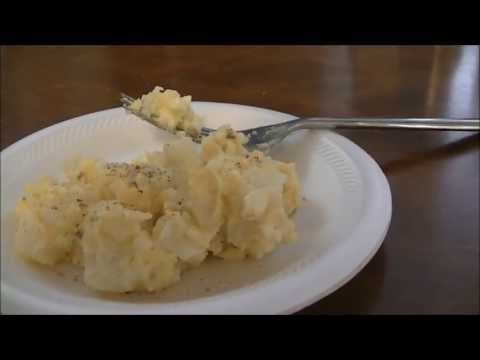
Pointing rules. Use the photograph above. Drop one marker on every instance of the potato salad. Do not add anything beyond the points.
(137, 226)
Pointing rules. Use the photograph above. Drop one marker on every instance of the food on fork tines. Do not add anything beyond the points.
(138, 226)
(169, 110)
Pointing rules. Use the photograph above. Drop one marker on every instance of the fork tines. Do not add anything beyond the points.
(205, 131)
(126, 100)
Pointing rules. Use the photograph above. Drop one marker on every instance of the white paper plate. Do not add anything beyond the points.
(341, 225)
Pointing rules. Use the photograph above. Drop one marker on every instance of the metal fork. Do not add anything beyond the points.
(264, 137)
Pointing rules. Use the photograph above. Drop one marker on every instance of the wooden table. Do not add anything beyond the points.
(429, 260)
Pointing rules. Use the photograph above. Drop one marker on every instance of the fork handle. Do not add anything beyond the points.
(386, 123)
